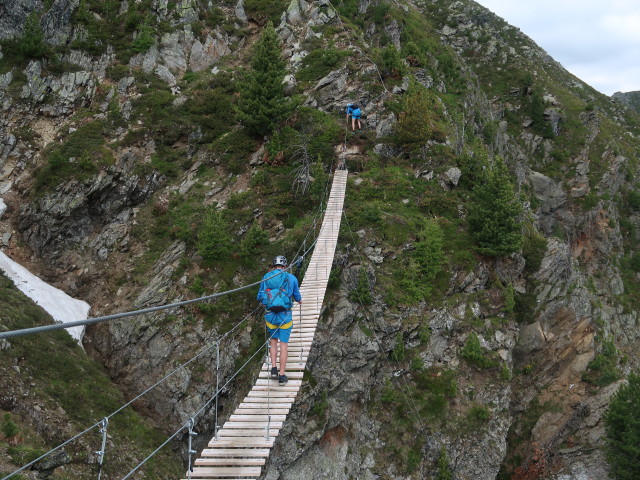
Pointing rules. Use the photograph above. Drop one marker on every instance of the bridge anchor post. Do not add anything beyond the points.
(103, 449)
(190, 450)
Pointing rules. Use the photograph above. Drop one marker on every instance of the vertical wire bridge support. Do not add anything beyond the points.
(216, 427)
(103, 448)
(190, 450)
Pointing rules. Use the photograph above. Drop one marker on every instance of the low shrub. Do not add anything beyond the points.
(473, 352)
(603, 369)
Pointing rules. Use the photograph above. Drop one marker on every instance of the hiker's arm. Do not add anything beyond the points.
(296, 292)
(261, 296)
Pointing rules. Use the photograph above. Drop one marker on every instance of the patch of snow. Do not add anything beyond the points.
(54, 301)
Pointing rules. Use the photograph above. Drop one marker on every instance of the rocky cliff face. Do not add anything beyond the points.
(629, 99)
(391, 392)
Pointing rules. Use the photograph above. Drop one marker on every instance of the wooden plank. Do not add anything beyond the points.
(230, 461)
(268, 383)
(292, 366)
(250, 425)
(207, 472)
(242, 442)
(257, 402)
(291, 375)
(256, 418)
(262, 410)
(270, 394)
(275, 387)
(232, 433)
(235, 452)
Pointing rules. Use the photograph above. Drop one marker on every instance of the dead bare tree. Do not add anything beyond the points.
(302, 161)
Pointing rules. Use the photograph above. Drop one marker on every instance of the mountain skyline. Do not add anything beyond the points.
(598, 42)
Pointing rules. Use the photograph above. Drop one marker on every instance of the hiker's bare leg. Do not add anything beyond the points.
(273, 350)
(353, 124)
(284, 353)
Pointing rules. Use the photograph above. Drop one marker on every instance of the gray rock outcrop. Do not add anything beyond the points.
(178, 51)
(67, 216)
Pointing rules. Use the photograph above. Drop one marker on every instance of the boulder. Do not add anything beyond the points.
(549, 193)
(5, 79)
(187, 11)
(331, 87)
(165, 75)
(374, 254)
(394, 31)
(54, 460)
(173, 50)
(385, 125)
(451, 177)
(531, 339)
(156, 292)
(56, 22)
(204, 56)
(124, 84)
(294, 15)
(240, 13)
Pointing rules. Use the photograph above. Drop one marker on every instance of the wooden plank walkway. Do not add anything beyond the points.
(244, 441)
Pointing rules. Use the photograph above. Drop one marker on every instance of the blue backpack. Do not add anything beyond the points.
(278, 298)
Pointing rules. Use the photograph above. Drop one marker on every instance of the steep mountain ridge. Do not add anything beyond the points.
(630, 99)
(123, 222)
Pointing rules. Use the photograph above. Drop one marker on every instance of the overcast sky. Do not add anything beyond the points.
(596, 40)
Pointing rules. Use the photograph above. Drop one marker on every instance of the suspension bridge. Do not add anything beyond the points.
(239, 448)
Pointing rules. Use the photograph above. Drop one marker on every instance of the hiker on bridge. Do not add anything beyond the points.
(278, 289)
(353, 111)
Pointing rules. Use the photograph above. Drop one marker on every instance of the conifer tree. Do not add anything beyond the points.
(262, 104)
(32, 44)
(494, 213)
(429, 253)
(419, 121)
(622, 423)
(214, 240)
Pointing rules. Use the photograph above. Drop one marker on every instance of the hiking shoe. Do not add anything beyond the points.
(283, 379)
(274, 373)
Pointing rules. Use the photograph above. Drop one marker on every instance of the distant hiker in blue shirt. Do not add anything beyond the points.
(349, 109)
(353, 111)
(278, 289)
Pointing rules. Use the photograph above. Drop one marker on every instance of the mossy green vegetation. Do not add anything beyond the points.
(420, 120)
(415, 403)
(30, 45)
(265, 10)
(622, 423)
(319, 62)
(81, 156)
(56, 366)
(473, 353)
(603, 369)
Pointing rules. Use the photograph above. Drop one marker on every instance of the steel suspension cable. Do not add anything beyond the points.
(116, 316)
(75, 437)
(187, 424)
(173, 372)
(192, 359)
